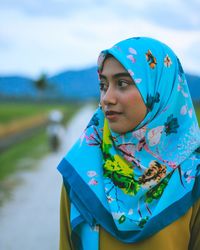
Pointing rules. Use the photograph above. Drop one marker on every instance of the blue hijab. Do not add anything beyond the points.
(135, 184)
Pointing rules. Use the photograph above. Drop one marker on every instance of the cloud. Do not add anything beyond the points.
(176, 14)
(36, 42)
(170, 13)
(54, 8)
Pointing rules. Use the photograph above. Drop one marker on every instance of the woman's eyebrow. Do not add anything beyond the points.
(117, 75)
(102, 76)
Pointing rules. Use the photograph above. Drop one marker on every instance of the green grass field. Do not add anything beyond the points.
(15, 111)
(24, 155)
(27, 153)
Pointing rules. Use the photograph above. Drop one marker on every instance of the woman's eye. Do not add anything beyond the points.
(123, 83)
(103, 86)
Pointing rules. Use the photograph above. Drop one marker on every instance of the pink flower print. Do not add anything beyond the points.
(129, 151)
(190, 112)
(118, 48)
(171, 164)
(179, 87)
(129, 158)
(130, 72)
(131, 58)
(132, 51)
(154, 135)
(184, 110)
(139, 134)
(87, 138)
(167, 61)
(188, 176)
(93, 182)
(184, 94)
(91, 173)
(91, 140)
(138, 80)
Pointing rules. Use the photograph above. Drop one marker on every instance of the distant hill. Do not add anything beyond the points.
(14, 86)
(194, 86)
(82, 84)
(69, 85)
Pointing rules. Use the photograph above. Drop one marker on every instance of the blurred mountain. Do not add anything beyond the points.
(12, 86)
(81, 84)
(68, 85)
(194, 86)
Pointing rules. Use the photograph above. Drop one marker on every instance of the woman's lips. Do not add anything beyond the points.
(112, 115)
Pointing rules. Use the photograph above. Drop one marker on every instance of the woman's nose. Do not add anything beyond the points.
(109, 96)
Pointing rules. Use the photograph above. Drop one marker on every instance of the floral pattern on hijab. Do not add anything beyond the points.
(128, 182)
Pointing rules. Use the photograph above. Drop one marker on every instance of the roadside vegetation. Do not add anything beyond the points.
(16, 111)
(24, 155)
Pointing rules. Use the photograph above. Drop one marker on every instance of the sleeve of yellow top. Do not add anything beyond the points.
(195, 227)
(65, 228)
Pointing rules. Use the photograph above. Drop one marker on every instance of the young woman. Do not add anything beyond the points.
(132, 180)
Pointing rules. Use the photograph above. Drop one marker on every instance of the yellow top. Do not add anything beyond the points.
(183, 234)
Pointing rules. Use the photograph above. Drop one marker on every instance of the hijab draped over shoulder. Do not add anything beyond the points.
(135, 184)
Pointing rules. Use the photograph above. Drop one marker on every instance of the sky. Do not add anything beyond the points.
(51, 36)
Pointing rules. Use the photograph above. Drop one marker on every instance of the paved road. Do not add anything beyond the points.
(30, 220)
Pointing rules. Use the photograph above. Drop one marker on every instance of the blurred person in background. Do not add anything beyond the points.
(132, 180)
(55, 129)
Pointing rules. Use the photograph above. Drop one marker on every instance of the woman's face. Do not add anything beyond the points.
(120, 99)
